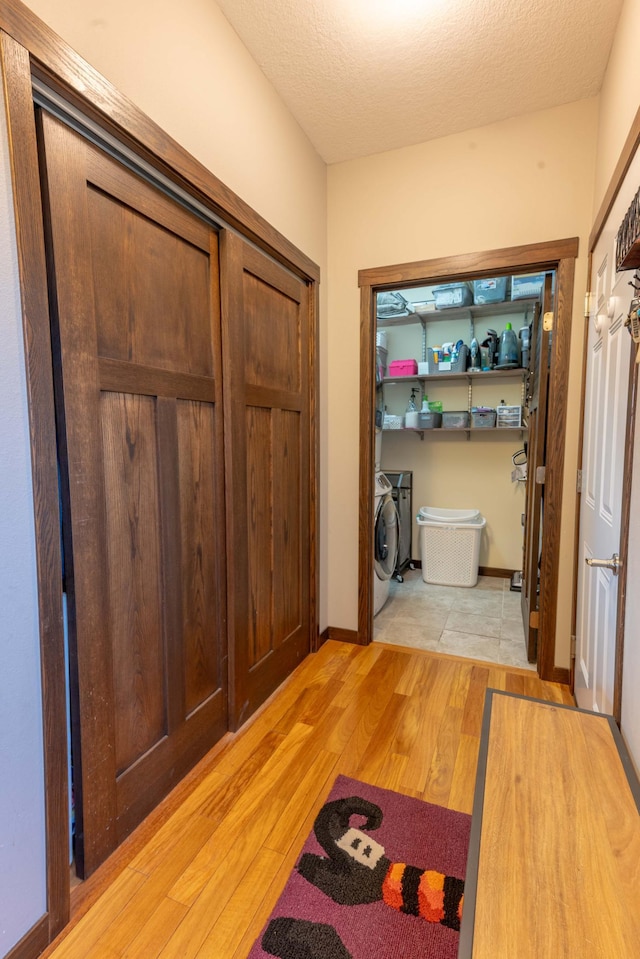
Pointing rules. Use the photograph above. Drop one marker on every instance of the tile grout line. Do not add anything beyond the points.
(414, 587)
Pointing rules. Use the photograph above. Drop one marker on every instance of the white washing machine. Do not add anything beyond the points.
(385, 539)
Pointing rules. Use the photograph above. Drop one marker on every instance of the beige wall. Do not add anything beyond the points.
(521, 181)
(619, 98)
(186, 68)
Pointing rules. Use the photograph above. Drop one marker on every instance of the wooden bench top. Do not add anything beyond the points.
(554, 857)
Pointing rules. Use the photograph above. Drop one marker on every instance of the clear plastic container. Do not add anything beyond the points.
(508, 351)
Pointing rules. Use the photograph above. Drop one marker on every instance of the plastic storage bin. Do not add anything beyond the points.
(450, 545)
(490, 290)
(483, 418)
(452, 294)
(459, 365)
(456, 420)
(403, 368)
(429, 421)
(508, 417)
(391, 422)
(526, 286)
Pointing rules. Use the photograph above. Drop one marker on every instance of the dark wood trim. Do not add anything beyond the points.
(559, 255)
(35, 319)
(560, 675)
(123, 377)
(366, 465)
(314, 464)
(341, 635)
(622, 166)
(33, 942)
(554, 477)
(68, 72)
(495, 571)
(627, 480)
(533, 256)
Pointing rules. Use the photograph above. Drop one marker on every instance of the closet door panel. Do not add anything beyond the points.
(265, 326)
(133, 561)
(199, 574)
(136, 319)
(289, 586)
(259, 518)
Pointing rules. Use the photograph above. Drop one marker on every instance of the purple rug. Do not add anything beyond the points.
(380, 877)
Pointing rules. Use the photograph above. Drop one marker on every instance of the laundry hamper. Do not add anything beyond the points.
(450, 545)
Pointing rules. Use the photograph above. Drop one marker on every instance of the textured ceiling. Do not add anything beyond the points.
(364, 76)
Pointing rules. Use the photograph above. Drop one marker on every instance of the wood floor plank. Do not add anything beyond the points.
(278, 880)
(142, 904)
(401, 719)
(440, 776)
(228, 930)
(157, 930)
(515, 683)
(178, 831)
(318, 778)
(94, 927)
(252, 818)
(460, 686)
(435, 694)
(472, 720)
(374, 758)
(464, 774)
(392, 772)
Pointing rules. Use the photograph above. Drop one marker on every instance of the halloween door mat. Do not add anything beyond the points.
(380, 877)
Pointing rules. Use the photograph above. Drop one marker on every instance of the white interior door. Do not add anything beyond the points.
(609, 346)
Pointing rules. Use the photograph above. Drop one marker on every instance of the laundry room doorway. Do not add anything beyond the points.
(454, 433)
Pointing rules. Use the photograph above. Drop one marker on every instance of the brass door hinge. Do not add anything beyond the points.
(547, 323)
(534, 619)
(573, 647)
(589, 304)
(579, 481)
(540, 475)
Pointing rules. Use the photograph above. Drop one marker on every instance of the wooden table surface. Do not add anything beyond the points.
(554, 860)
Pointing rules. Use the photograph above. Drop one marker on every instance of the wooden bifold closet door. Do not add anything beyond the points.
(135, 295)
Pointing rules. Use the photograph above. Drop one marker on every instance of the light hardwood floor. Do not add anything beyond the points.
(201, 875)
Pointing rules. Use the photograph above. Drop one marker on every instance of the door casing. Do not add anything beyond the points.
(558, 255)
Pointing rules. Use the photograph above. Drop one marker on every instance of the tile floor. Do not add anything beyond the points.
(482, 622)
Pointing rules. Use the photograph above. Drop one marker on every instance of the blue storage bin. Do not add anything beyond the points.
(450, 295)
(490, 290)
(523, 287)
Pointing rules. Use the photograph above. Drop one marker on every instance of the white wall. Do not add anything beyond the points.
(525, 180)
(22, 838)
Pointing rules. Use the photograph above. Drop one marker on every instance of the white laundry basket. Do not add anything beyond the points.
(450, 545)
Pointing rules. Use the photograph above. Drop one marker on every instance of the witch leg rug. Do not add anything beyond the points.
(380, 877)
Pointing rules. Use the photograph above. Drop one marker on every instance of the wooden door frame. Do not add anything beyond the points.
(628, 152)
(558, 255)
(30, 50)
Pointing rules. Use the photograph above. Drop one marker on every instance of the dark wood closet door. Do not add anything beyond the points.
(135, 293)
(265, 324)
(536, 458)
